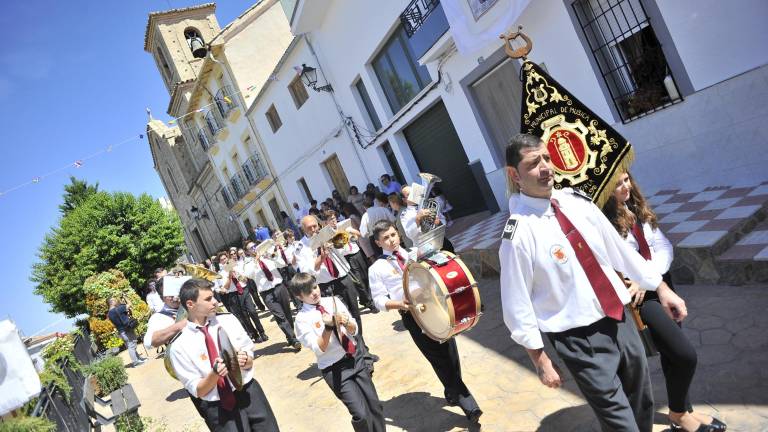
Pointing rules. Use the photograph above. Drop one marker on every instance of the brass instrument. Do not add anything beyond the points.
(340, 239)
(426, 203)
(200, 272)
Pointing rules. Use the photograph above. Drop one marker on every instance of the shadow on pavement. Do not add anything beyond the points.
(176, 395)
(309, 373)
(398, 326)
(581, 419)
(420, 411)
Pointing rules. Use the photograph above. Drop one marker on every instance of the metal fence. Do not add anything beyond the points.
(68, 414)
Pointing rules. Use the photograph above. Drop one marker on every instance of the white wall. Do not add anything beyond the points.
(717, 39)
(308, 136)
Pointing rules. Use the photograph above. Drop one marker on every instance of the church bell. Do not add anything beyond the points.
(198, 48)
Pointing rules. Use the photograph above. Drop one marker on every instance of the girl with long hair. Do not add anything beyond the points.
(633, 218)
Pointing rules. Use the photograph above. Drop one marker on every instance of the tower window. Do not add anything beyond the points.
(195, 42)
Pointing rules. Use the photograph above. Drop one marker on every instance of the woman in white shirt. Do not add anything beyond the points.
(633, 218)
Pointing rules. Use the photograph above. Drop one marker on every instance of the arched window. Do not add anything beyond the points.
(195, 42)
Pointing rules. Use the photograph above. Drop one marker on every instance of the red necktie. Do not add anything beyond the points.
(237, 285)
(346, 342)
(400, 260)
(266, 271)
(330, 266)
(226, 396)
(282, 253)
(645, 251)
(606, 294)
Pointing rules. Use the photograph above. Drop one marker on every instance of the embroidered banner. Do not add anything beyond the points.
(587, 153)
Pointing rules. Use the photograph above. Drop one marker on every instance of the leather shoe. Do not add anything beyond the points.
(674, 427)
(259, 339)
(474, 415)
(296, 345)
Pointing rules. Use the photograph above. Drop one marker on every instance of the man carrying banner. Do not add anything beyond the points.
(558, 255)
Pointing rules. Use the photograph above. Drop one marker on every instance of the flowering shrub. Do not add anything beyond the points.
(101, 287)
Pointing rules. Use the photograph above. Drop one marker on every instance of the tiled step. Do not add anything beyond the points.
(746, 262)
(704, 225)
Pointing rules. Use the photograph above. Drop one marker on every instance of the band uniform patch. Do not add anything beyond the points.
(558, 255)
(509, 229)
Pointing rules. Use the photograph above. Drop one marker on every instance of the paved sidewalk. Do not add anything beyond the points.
(729, 326)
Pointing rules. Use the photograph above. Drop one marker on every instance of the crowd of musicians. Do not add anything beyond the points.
(571, 273)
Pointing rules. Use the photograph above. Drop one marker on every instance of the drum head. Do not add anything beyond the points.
(423, 289)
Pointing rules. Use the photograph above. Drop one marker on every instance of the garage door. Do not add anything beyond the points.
(438, 150)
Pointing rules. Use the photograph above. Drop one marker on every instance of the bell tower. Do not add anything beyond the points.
(177, 39)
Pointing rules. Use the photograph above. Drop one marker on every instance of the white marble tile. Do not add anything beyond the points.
(721, 204)
(760, 190)
(667, 208)
(658, 199)
(676, 217)
(702, 239)
(755, 237)
(708, 195)
(762, 255)
(688, 226)
(740, 212)
(486, 243)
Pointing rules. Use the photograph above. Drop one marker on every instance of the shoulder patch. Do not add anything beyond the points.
(581, 194)
(509, 229)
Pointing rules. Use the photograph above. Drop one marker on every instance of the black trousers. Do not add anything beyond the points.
(243, 308)
(350, 380)
(607, 360)
(277, 303)
(287, 273)
(252, 412)
(444, 358)
(344, 288)
(255, 294)
(678, 356)
(359, 266)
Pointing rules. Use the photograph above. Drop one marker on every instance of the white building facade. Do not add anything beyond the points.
(689, 98)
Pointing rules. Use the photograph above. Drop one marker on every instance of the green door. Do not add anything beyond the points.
(438, 150)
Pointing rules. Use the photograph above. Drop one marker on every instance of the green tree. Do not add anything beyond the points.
(106, 231)
(75, 193)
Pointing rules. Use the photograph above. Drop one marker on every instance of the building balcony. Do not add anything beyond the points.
(425, 23)
(225, 101)
(243, 181)
(213, 124)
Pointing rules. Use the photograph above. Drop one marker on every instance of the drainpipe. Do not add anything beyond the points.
(339, 111)
(257, 136)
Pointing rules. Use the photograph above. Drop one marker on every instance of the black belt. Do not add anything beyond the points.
(339, 364)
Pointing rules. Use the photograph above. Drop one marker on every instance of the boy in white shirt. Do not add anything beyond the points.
(325, 326)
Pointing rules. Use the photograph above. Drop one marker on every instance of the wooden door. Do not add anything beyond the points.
(338, 177)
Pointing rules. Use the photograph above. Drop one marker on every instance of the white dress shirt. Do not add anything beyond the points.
(408, 221)
(254, 272)
(189, 355)
(306, 263)
(157, 321)
(154, 301)
(224, 278)
(292, 250)
(661, 248)
(278, 257)
(308, 326)
(386, 279)
(543, 286)
(373, 215)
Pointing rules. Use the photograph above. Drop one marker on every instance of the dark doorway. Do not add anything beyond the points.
(438, 150)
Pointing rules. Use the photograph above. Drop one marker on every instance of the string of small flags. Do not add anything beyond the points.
(227, 99)
(78, 163)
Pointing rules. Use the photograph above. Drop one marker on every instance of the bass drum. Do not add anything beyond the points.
(443, 295)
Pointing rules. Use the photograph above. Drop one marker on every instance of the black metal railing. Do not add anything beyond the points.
(202, 139)
(416, 13)
(250, 174)
(213, 123)
(225, 101)
(629, 56)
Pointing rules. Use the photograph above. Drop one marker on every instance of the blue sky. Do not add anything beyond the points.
(74, 78)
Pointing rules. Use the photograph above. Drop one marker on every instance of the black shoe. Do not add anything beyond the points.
(474, 415)
(674, 427)
(722, 427)
(259, 339)
(374, 358)
(296, 345)
(265, 337)
(371, 307)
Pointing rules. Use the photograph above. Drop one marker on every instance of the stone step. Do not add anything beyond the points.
(703, 226)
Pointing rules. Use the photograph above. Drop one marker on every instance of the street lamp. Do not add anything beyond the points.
(309, 78)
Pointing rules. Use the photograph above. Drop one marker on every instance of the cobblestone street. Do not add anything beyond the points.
(728, 325)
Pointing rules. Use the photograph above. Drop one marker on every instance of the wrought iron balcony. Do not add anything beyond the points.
(251, 173)
(225, 100)
(425, 23)
(213, 123)
(202, 139)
